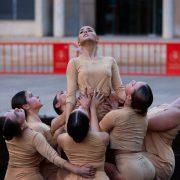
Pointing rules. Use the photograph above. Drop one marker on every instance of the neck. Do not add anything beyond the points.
(33, 116)
(63, 108)
(89, 49)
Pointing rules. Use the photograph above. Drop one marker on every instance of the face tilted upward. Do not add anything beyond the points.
(87, 33)
(17, 115)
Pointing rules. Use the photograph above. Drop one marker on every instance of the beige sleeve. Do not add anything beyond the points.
(44, 148)
(47, 134)
(58, 122)
(57, 133)
(116, 81)
(72, 86)
(107, 123)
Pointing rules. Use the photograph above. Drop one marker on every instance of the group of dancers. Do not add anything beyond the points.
(97, 111)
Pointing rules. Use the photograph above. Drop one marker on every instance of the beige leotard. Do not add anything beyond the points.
(158, 147)
(102, 75)
(26, 153)
(90, 151)
(127, 132)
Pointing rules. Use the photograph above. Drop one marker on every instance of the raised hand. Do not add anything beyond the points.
(97, 99)
(84, 101)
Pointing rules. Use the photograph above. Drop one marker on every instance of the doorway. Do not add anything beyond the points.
(129, 17)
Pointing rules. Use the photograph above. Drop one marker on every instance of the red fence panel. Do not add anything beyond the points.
(26, 58)
(61, 57)
(137, 58)
(173, 59)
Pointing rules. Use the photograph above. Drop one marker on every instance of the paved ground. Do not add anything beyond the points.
(165, 89)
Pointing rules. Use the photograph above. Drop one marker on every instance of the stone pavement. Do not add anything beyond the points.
(165, 89)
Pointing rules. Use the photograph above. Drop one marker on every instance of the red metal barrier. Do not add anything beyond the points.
(61, 57)
(133, 58)
(137, 58)
(173, 59)
(26, 58)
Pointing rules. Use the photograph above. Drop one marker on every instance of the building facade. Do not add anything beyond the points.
(62, 18)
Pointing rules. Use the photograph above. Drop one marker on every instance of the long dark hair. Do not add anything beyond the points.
(9, 128)
(18, 100)
(78, 126)
(142, 98)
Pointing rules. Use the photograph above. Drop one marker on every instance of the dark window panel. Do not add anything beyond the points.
(6, 9)
(25, 9)
(129, 17)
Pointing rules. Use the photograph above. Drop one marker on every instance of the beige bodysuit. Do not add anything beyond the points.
(127, 132)
(90, 151)
(48, 170)
(58, 122)
(102, 75)
(26, 153)
(158, 147)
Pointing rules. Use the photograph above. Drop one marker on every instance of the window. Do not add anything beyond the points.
(17, 9)
(129, 17)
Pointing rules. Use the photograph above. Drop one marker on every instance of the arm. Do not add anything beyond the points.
(69, 109)
(72, 86)
(57, 133)
(57, 122)
(49, 153)
(107, 123)
(44, 148)
(86, 171)
(116, 82)
(165, 120)
(44, 130)
(95, 102)
(94, 121)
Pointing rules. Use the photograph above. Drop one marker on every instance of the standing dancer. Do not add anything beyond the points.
(88, 72)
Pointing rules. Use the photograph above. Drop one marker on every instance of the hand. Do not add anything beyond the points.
(97, 99)
(84, 101)
(114, 101)
(86, 171)
(106, 106)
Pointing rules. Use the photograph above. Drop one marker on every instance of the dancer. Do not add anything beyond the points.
(88, 72)
(163, 125)
(59, 105)
(24, 146)
(83, 143)
(127, 127)
(32, 104)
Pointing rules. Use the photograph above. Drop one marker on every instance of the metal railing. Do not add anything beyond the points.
(133, 58)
